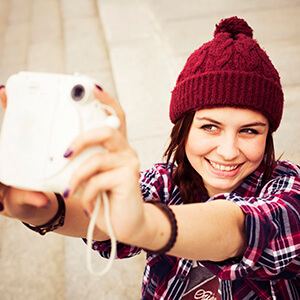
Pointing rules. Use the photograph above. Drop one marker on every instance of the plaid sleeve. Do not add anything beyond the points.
(273, 233)
(156, 183)
(123, 250)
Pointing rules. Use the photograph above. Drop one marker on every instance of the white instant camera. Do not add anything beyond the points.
(44, 113)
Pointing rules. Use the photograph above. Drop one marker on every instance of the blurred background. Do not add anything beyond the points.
(136, 49)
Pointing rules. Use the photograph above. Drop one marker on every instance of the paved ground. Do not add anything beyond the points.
(136, 49)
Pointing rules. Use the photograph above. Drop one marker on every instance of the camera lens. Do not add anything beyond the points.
(77, 92)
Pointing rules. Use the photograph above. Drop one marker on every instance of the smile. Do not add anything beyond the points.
(223, 167)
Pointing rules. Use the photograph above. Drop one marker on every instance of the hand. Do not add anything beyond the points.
(115, 172)
(21, 204)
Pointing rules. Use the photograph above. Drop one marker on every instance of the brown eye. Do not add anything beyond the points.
(249, 131)
(209, 127)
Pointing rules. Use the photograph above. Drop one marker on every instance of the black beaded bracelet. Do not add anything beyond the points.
(60, 215)
(169, 213)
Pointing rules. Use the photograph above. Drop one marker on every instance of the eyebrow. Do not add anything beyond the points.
(208, 119)
(219, 123)
(255, 124)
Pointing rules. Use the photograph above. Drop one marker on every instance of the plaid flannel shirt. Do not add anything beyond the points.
(270, 267)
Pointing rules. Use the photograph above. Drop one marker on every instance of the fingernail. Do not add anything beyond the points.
(2, 86)
(86, 213)
(99, 87)
(1, 206)
(66, 193)
(68, 153)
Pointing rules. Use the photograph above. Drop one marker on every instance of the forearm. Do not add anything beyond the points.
(207, 231)
(75, 224)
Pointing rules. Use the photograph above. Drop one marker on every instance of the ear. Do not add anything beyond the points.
(3, 97)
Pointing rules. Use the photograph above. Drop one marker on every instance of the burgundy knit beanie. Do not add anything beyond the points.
(230, 70)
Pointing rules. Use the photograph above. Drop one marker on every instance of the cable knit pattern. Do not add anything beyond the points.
(231, 70)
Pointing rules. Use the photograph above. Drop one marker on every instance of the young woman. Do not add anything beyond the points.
(219, 219)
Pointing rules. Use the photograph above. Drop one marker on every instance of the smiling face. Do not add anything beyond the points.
(225, 145)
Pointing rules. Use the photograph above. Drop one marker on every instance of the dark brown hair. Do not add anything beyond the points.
(184, 175)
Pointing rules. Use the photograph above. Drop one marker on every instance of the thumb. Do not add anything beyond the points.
(3, 96)
(23, 197)
(36, 199)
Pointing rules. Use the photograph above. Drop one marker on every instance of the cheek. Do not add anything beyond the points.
(255, 151)
(197, 146)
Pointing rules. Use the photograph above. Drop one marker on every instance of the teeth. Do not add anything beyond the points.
(222, 167)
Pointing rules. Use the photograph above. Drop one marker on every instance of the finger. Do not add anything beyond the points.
(98, 163)
(107, 99)
(94, 187)
(3, 96)
(107, 137)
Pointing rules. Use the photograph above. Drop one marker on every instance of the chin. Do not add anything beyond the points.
(219, 188)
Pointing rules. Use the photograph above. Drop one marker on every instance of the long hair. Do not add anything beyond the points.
(184, 175)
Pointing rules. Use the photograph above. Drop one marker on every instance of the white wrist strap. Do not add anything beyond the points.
(91, 228)
(114, 122)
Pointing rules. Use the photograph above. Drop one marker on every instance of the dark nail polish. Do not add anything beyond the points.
(2, 86)
(99, 87)
(1, 206)
(68, 153)
(66, 193)
(86, 213)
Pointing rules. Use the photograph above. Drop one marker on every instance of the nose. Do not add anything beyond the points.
(228, 147)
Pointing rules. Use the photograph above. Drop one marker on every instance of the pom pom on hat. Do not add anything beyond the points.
(230, 70)
(234, 26)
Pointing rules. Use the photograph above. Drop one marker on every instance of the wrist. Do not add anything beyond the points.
(162, 228)
(55, 222)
